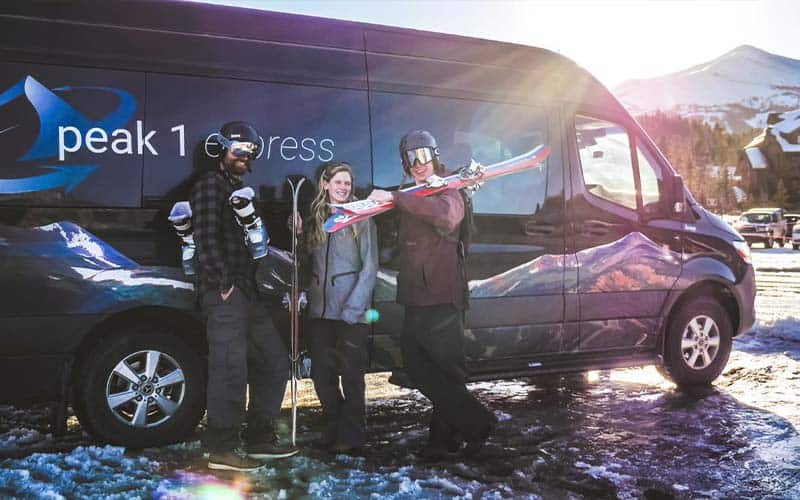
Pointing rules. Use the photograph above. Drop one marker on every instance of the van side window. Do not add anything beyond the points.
(486, 131)
(605, 156)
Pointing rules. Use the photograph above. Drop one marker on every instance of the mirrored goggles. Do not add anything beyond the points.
(241, 150)
(422, 155)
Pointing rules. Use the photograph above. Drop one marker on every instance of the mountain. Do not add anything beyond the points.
(737, 89)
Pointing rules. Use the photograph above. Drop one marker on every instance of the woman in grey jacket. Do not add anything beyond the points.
(343, 269)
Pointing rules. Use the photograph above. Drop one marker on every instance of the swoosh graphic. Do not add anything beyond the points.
(54, 111)
(118, 117)
(67, 176)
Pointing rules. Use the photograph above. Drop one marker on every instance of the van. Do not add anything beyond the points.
(598, 259)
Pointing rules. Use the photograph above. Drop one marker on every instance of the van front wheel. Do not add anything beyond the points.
(698, 342)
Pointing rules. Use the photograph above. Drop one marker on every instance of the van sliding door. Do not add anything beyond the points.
(515, 263)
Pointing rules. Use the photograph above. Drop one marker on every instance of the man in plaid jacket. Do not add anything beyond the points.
(244, 348)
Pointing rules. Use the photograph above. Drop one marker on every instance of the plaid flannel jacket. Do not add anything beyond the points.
(222, 256)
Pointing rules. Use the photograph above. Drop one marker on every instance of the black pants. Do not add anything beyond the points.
(244, 350)
(433, 355)
(339, 348)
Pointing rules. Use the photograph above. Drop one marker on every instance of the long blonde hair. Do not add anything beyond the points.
(315, 235)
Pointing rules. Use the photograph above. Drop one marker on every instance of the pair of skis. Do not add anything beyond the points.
(470, 176)
(294, 307)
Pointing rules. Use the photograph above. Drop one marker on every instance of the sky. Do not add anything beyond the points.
(614, 40)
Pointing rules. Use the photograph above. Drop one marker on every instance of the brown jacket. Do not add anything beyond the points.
(430, 269)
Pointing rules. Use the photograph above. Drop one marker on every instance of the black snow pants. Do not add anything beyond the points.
(433, 355)
(244, 350)
(338, 348)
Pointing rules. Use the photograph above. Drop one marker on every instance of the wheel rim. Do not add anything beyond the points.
(700, 342)
(145, 389)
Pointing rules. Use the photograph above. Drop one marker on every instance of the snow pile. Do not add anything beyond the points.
(766, 333)
(15, 438)
(86, 472)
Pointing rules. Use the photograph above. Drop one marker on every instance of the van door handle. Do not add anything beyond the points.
(537, 229)
(596, 227)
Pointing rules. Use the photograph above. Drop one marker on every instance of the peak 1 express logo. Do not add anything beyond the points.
(63, 129)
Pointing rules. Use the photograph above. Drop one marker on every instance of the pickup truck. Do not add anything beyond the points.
(763, 225)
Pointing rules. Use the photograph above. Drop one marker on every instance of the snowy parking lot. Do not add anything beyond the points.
(614, 434)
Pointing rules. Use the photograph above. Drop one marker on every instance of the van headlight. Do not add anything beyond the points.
(743, 250)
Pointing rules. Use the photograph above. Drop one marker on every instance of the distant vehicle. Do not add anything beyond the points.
(791, 226)
(796, 232)
(763, 225)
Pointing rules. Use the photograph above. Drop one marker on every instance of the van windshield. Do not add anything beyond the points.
(757, 218)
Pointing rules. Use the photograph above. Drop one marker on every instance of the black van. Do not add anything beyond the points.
(598, 259)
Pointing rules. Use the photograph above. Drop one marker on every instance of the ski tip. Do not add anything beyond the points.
(329, 225)
(337, 221)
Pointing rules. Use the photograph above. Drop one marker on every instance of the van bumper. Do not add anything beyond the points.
(745, 292)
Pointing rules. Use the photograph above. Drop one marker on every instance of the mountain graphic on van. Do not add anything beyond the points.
(54, 112)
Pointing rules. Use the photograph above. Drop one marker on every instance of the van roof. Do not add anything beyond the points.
(222, 41)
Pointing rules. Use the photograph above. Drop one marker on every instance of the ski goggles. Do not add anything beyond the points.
(239, 149)
(422, 155)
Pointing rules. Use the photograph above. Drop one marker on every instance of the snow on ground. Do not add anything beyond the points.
(764, 369)
(776, 259)
(613, 434)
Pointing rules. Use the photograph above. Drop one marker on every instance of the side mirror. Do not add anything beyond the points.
(676, 195)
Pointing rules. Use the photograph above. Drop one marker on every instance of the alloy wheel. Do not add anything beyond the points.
(700, 342)
(145, 388)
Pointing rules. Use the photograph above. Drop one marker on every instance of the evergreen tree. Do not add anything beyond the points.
(691, 146)
(781, 195)
(723, 190)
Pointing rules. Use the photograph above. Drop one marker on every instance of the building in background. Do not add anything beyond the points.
(773, 158)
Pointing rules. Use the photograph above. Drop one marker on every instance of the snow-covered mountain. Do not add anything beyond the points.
(737, 89)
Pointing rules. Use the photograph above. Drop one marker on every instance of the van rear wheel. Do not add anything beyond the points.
(698, 342)
(142, 387)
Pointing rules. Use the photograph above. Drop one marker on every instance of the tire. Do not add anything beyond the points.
(152, 413)
(796, 247)
(698, 343)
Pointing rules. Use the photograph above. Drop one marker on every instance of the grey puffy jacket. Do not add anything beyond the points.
(343, 273)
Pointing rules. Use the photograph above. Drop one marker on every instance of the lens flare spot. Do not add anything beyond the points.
(372, 316)
(196, 486)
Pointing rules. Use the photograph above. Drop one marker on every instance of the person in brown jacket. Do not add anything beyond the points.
(431, 285)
